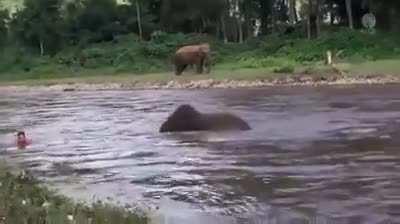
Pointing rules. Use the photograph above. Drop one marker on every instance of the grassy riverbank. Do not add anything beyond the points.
(23, 200)
(127, 59)
(378, 72)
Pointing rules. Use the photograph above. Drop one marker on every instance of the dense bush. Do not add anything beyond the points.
(22, 200)
(344, 43)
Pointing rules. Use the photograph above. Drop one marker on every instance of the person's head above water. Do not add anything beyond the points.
(22, 141)
(21, 135)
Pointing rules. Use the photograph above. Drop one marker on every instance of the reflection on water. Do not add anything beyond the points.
(314, 154)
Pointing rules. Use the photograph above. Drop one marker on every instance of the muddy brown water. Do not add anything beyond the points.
(315, 155)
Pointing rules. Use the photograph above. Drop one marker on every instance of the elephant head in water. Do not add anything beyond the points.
(186, 118)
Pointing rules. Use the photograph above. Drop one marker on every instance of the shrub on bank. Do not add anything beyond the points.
(23, 201)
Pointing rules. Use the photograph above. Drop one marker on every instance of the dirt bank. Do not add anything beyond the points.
(289, 80)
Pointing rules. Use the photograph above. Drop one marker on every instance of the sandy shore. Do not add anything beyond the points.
(290, 80)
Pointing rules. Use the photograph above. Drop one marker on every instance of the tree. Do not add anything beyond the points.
(192, 16)
(292, 12)
(4, 19)
(223, 28)
(99, 20)
(313, 20)
(349, 13)
(97, 14)
(39, 24)
(236, 12)
(139, 19)
(138, 16)
(265, 10)
(387, 13)
(71, 15)
(249, 9)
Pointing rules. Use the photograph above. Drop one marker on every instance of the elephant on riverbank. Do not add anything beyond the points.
(198, 55)
(186, 118)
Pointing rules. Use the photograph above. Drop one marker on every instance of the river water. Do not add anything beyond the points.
(314, 155)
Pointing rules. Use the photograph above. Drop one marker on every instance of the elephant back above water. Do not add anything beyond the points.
(198, 55)
(186, 118)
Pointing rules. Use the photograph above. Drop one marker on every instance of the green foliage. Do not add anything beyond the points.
(38, 25)
(4, 19)
(128, 54)
(252, 62)
(23, 201)
(162, 44)
(188, 15)
(344, 43)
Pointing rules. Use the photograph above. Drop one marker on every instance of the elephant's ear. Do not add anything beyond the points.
(201, 52)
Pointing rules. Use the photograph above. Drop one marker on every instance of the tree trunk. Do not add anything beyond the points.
(366, 5)
(332, 18)
(218, 30)
(139, 19)
(310, 11)
(265, 7)
(273, 20)
(292, 12)
(223, 27)
(203, 24)
(349, 14)
(41, 45)
(249, 28)
(240, 30)
(314, 19)
(318, 14)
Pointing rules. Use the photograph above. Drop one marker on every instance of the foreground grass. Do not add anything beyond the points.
(23, 201)
(220, 72)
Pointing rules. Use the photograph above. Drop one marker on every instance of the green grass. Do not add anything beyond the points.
(23, 200)
(221, 72)
(379, 67)
(156, 78)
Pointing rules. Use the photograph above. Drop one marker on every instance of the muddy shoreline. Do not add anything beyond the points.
(292, 80)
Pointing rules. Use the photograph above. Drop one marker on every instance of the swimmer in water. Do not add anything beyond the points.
(22, 141)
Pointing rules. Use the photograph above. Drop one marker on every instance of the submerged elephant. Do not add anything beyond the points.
(198, 55)
(186, 118)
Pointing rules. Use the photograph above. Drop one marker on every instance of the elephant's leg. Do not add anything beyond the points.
(208, 68)
(199, 68)
(207, 64)
(184, 67)
(179, 69)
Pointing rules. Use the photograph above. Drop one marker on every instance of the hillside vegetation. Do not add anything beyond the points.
(74, 38)
(128, 55)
